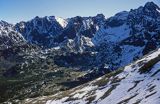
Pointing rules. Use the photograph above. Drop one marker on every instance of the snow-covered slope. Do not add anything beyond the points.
(9, 36)
(128, 35)
(92, 45)
(61, 21)
(138, 83)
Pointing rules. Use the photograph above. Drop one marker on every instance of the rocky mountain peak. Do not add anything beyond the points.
(4, 23)
(77, 49)
(151, 6)
(100, 16)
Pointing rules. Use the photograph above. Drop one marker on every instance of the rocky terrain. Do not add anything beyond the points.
(49, 54)
(136, 83)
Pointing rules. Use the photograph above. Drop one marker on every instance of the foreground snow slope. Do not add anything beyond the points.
(137, 83)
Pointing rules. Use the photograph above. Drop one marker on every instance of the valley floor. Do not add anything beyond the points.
(137, 83)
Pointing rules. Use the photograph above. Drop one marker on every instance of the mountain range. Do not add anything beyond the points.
(49, 54)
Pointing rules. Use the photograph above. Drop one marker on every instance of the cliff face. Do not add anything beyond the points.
(51, 54)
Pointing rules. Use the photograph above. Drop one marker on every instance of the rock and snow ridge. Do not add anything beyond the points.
(127, 85)
(9, 36)
(50, 31)
(115, 42)
(135, 32)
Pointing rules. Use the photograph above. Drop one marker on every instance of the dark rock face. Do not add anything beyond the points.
(40, 31)
(49, 48)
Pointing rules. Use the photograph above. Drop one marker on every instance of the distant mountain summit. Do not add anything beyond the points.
(49, 54)
(51, 31)
(115, 41)
(9, 36)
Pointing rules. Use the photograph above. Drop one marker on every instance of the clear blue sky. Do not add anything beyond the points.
(17, 10)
